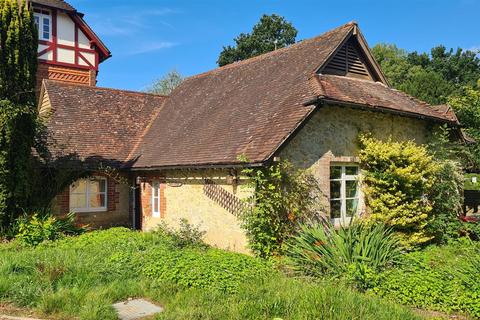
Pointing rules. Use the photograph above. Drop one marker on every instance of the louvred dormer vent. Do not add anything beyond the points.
(348, 61)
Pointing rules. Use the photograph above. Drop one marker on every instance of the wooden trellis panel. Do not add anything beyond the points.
(222, 197)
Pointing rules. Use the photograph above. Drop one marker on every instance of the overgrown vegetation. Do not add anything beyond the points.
(397, 176)
(18, 65)
(355, 253)
(443, 278)
(39, 227)
(82, 276)
(283, 198)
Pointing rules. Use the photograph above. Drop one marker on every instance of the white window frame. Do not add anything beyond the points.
(40, 17)
(344, 220)
(87, 195)
(156, 199)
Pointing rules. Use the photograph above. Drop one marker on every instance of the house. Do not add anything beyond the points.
(158, 159)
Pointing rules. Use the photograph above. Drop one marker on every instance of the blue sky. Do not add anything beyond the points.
(150, 37)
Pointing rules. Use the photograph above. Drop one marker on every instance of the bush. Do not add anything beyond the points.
(357, 252)
(397, 178)
(443, 278)
(186, 235)
(34, 229)
(283, 198)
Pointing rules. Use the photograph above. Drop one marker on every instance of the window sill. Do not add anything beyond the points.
(99, 210)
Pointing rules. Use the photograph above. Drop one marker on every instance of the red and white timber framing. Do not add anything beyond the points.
(72, 43)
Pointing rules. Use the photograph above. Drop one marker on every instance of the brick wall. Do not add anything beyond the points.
(65, 74)
(118, 206)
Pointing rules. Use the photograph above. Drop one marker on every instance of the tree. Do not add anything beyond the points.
(270, 33)
(18, 65)
(167, 83)
(430, 77)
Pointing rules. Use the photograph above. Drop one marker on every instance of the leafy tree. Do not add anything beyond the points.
(270, 33)
(467, 109)
(18, 64)
(167, 83)
(430, 77)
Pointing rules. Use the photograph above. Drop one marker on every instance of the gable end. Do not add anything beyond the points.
(353, 59)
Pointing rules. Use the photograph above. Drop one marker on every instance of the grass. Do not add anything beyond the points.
(81, 277)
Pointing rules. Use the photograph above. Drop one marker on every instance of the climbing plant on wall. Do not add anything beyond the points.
(283, 197)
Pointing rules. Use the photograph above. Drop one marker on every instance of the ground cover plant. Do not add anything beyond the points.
(82, 276)
(443, 278)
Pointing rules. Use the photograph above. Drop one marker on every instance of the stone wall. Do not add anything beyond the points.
(331, 135)
(182, 196)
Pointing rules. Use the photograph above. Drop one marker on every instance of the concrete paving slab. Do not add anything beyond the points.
(136, 309)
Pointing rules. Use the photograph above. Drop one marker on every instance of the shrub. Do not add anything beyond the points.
(186, 235)
(358, 251)
(443, 278)
(397, 178)
(34, 229)
(283, 198)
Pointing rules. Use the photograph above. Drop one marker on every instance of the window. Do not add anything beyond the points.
(44, 24)
(89, 195)
(156, 200)
(344, 193)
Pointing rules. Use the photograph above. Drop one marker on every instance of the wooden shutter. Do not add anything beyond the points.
(348, 61)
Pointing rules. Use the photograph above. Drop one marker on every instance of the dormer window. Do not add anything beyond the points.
(43, 20)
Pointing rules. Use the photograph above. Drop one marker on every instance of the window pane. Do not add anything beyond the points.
(37, 20)
(155, 205)
(97, 185)
(335, 172)
(351, 171)
(79, 186)
(335, 209)
(335, 189)
(352, 206)
(155, 190)
(97, 200)
(351, 189)
(78, 200)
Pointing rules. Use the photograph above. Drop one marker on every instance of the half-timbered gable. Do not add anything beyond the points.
(68, 49)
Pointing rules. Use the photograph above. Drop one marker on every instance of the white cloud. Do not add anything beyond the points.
(116, 22)
(151, 47)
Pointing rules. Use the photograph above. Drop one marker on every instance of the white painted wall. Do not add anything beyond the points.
(65, 55)
(65, 30)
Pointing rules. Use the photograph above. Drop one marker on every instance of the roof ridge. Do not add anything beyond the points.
(271, 53)
(105, 88)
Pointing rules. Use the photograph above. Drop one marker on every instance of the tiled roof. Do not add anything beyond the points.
(59, 4)
(377, 95)
(97, 124)
(248, 108)
(245, 108)
(251, 107)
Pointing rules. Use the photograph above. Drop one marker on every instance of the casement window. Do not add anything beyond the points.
(89, 195)
(344, 193)
(43, 20)
(156, 200)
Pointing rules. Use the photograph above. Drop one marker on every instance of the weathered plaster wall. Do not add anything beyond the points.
(182, 196)
(331, 135)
